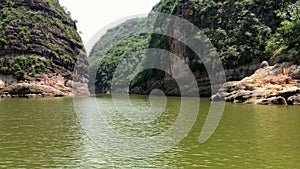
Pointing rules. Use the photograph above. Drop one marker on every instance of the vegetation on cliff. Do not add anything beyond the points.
(284, 44)
(238, 29)
(39, 36)
(244, 32)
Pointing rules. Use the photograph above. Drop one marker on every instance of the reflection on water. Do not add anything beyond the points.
(46, 133)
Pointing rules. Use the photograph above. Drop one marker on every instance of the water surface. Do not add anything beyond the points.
(45, 133)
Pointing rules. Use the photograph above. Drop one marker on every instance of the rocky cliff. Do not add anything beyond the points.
(41, 53)
(239, 30)
(244, 33)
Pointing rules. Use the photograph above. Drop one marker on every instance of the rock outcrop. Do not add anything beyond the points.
(38, 43)
(269, 85)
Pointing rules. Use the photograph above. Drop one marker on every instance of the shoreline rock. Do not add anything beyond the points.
(279, 85)
(44, 87)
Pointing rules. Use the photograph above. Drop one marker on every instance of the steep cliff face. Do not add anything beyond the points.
(243, 33)
(239, 30)
(39, 45)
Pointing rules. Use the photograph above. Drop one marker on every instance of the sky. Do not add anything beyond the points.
(96, 15)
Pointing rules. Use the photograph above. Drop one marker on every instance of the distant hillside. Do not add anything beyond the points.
(118, 43)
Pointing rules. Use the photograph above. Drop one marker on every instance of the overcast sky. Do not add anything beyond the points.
(94, 15)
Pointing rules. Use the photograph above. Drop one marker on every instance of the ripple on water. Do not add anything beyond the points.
(45, 133)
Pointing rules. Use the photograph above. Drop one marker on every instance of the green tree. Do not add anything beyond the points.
(286, 39)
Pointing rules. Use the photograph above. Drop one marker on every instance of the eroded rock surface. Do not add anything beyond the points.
(270, 85)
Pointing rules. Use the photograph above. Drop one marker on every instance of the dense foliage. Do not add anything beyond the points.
(23, 66)
(284, 43)
(238, 29)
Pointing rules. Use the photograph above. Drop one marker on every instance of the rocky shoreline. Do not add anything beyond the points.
(278, 84)
(51, 87)
(29, 90)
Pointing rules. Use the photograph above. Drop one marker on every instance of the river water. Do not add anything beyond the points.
(46, 133)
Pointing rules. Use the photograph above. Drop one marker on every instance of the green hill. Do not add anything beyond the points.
(117, 44)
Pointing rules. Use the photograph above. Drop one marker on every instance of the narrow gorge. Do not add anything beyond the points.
(244, 34)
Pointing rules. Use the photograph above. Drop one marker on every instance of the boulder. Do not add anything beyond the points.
(273, 100)
(218, 97)
(294, 100)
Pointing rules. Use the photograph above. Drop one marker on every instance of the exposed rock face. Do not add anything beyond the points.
(42, 86)
(39, 41)
(170, 87)
(269, 85)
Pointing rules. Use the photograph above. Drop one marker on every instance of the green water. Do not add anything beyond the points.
(45, 133)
